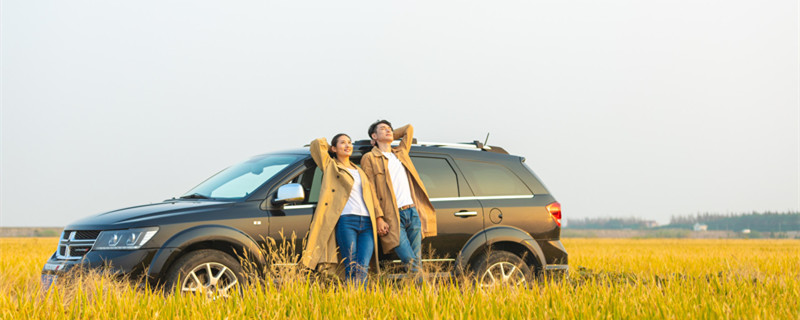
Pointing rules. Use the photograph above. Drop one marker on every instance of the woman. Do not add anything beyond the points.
(346, 211)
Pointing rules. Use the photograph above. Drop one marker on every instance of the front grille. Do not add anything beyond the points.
(79, 251)
(83, 235)
(75, 244)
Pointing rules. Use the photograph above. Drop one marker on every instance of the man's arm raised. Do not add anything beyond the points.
(406, 136)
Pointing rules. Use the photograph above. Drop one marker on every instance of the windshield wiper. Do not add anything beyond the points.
(194, 196)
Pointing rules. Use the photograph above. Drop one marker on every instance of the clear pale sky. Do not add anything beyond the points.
(623, 108)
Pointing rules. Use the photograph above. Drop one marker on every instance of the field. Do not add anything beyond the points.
(610, 279)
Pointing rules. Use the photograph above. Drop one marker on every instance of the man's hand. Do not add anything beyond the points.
(383, 227)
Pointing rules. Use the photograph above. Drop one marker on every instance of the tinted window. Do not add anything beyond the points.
(240, 180)
(437, 176)
(311, 180)
(489, 179)
(313, 194)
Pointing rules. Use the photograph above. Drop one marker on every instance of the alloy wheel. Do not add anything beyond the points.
(502, 274)
(212, 279)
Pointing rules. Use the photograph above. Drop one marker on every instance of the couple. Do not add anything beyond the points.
(385, 197)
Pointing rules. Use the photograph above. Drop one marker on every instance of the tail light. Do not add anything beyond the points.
(555, 211)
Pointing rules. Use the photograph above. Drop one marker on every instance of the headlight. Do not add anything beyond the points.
(130, 239)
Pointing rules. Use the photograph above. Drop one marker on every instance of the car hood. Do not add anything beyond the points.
(146, 215)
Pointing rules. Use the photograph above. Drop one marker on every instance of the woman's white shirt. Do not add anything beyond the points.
(355, 204)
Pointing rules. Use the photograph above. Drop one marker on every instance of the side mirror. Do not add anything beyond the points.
(289, 193)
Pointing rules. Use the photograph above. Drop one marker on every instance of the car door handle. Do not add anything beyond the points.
(466, 213)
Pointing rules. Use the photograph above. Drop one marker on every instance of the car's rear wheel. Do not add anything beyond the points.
(501, 268)
(210, 272)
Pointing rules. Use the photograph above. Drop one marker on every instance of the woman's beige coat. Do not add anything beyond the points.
(333, 194)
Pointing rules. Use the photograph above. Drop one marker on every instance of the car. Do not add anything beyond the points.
(496, 221)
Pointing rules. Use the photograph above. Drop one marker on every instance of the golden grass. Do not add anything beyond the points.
(610, 278)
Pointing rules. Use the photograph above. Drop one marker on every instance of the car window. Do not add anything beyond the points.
(311, 179)
(438, 177)
(490, 179)
(313, 195)
(240, 180)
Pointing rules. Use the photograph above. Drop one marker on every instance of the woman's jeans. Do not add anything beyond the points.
(354, 237)
(409, 250)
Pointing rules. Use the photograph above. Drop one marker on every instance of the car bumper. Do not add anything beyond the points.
(114, 262)
(556, 258)
(556, 270)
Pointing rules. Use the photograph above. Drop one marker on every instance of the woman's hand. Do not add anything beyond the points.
(383, 227)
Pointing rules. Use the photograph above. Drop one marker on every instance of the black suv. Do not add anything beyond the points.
(495, 218)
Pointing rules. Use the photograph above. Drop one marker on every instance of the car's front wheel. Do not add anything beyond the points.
(501, 268)
(210, 272)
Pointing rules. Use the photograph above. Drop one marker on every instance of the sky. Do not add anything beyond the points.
(623, 108)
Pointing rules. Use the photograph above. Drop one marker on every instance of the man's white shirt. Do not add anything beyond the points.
(402, 190)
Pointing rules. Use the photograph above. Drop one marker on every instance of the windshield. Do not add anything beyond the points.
(240, 180)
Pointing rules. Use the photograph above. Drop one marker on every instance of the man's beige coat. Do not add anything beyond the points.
(333, 194)
(376, 165)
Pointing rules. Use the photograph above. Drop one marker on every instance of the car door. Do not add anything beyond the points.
(289, 224)
(459, 215)
(508, 201)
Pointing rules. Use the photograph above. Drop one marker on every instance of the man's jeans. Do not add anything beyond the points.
(354, 237)
(409, 250)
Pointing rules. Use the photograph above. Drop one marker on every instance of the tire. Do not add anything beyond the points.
(501, 268)
(211, 272)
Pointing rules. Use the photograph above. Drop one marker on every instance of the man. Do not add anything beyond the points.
(408, 214)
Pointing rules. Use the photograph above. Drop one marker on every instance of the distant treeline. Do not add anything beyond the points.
(755, 221)
(609, 223)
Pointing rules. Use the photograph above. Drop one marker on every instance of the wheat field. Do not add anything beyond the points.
(609, 279)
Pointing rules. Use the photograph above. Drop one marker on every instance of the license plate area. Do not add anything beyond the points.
(48, 280)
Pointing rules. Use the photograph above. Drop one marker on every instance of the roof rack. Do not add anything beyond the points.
(465, 145)
(474, 145)
(369, 142)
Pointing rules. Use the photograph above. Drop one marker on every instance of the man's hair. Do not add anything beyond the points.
(373, 126)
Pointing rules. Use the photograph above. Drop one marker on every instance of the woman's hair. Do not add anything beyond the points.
(334, 141)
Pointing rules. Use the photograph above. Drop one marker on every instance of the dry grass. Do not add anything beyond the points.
(610, 278)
